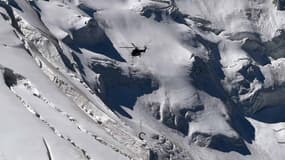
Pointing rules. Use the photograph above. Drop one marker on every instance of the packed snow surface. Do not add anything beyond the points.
(142, 79)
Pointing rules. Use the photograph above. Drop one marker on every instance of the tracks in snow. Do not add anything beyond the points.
(51, 127)
(48, 149)
(111, 124)
(34, 92)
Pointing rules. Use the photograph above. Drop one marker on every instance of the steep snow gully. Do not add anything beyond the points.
(208, 82)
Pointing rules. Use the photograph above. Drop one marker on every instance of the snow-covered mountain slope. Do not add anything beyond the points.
(208, 84)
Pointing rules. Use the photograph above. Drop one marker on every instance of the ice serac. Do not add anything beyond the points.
(210, 84)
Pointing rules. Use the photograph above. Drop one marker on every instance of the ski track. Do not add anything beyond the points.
(70, 118)
(54, 130)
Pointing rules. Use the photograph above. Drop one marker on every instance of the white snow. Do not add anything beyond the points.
(208, 86)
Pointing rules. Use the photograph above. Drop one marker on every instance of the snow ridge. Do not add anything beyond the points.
(208, 82)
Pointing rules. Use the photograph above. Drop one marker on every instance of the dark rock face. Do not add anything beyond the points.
(93, 38)
(227, 144)
(280, 4)
(256, 51)
(220, 142)
(11, 78)
(207, 78)
(148, 12)
(275, 47)
(118, 88)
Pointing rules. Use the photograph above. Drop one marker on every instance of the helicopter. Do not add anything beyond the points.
(136, 51)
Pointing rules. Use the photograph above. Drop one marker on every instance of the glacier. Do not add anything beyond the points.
(209, 86)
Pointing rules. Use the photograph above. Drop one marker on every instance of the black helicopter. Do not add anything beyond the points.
(136, 51)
